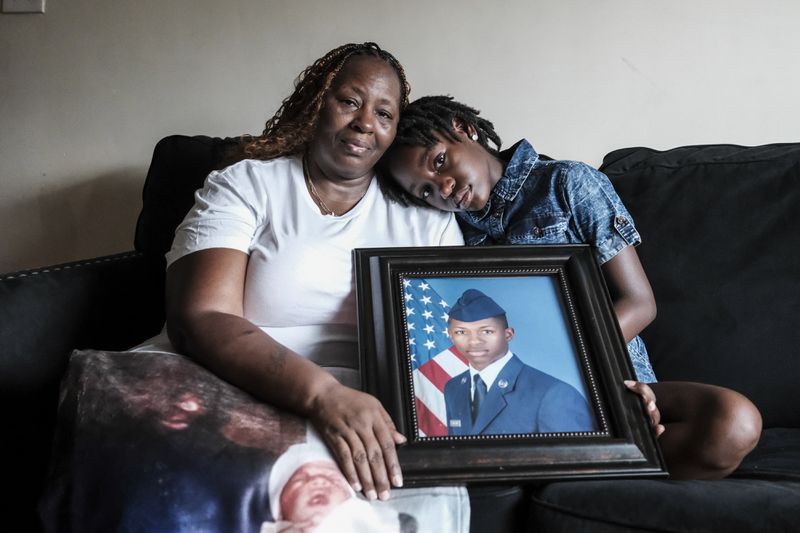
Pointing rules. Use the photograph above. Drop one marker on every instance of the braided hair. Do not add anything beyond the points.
(289, 131)
(424, 123)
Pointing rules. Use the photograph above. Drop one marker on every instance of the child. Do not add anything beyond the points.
(442, 158)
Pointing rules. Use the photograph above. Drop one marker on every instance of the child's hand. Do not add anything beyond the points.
(649, 401)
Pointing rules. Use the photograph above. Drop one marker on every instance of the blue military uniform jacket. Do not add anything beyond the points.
(521, 400)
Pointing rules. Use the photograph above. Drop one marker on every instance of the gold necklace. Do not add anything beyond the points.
(313, 190)
(316, 196)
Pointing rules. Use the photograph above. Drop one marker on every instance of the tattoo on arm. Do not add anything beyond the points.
(278, 359)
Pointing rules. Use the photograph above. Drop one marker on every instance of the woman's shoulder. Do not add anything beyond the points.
(256, 174)
(418, 225)
(255, 167)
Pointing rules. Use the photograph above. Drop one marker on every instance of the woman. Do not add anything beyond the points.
(259, 279)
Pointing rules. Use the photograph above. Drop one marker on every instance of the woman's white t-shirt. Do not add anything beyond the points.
(300, 287)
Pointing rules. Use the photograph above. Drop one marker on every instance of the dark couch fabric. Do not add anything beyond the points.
(179, 167)
(721, 246)
(762, 495)
(676, 506)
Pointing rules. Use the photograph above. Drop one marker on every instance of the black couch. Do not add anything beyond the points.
(721, 240)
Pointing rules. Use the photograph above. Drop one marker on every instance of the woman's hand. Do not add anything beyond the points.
(649, 400)
(362, 437)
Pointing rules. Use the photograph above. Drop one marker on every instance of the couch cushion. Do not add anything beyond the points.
(763, 494)
(179, 167)
(650, 505)
(721, 246)
(777, 456)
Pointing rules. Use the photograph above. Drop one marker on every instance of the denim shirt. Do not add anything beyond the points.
(542, 201)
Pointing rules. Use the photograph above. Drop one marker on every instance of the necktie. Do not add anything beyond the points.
(478, 395)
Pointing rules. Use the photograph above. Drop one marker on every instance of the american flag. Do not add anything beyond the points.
(434, 360)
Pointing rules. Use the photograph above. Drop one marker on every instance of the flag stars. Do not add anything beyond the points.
(429, 329)
(411, 326)
(427, 315)
(410, 311)
(406, 284)
(443, 303)
(445, 317)
(426, 300)
(430, 344)
(408, 297)
(424, 286)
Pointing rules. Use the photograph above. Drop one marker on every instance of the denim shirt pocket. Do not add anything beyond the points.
(539, 228)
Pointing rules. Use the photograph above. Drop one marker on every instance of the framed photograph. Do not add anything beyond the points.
(500, 363)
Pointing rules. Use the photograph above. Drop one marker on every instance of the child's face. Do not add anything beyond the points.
(482, 342)
(451, 176)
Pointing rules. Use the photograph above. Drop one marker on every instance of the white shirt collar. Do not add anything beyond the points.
(489, 374)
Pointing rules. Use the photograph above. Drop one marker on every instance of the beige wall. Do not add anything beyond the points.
(88, 88)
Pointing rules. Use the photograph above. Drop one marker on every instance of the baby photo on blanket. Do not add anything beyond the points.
(150, 441)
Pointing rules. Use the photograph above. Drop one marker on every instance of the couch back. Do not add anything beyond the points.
(721, 246)
(179, 167)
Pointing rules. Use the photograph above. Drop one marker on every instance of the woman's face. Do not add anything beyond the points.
(451, 176)
(358, 120)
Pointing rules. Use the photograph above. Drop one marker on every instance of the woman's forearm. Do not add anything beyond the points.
(205, 301)
(241, 353)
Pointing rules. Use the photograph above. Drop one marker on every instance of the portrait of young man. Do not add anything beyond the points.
(499, 394)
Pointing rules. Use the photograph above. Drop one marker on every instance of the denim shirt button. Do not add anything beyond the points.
(621, 220)
(537, 231)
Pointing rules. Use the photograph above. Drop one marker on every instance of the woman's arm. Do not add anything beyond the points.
(205, 296)
(633, 299)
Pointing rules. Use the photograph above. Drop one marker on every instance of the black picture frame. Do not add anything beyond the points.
(620, 443)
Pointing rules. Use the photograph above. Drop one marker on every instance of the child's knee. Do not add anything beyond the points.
(737, 427)
(746, 421)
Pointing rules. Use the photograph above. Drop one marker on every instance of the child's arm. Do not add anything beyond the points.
(630, 291)
(635, 307)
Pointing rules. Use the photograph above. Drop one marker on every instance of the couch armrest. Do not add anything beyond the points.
(110, 302)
